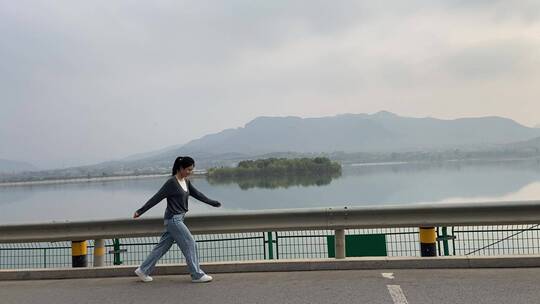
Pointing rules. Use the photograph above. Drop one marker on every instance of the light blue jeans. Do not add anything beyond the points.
(175, 231)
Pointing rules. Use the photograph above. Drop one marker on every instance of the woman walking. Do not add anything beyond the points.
(176, 189)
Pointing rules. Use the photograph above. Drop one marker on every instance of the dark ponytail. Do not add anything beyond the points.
(182, 162)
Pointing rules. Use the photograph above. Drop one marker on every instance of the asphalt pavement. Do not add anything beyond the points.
(478, 286)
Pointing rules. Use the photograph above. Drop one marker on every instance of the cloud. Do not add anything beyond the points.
(91, 81)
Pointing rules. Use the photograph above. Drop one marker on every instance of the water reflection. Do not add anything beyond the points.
(359, 185)
(7, 196)
(440, 181)
(274, 182)
(516, 164)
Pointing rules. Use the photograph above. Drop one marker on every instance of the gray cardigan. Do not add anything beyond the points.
(177, 198)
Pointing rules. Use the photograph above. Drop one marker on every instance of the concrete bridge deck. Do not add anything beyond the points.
(479, 286)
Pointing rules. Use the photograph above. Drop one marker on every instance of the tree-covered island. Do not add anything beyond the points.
(277, 173)
(275, 167)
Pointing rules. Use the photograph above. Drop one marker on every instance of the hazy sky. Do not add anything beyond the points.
(86, 81)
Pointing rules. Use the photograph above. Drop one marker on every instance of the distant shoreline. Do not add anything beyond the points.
(79, 180)
(204, 173)
(86, 180)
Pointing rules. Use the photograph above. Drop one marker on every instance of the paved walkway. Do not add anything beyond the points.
(478, 286)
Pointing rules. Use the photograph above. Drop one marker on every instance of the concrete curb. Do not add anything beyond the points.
(283, 265)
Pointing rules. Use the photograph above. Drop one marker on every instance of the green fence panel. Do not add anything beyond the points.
(358, 245)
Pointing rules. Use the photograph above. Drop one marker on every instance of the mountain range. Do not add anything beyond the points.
(379, 133)
(382, 132)
(11, 166)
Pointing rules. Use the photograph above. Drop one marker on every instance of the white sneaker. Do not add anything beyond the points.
(204, 279)
(142, 276)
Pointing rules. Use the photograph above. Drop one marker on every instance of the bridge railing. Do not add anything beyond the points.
(473, 228)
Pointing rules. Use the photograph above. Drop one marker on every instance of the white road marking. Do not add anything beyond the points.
(397, 294)
(388, 275)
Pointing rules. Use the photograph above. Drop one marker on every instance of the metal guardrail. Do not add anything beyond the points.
(462, 214)
(464, 229)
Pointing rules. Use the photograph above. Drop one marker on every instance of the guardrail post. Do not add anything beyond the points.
(45, 258)
(428, 242)
(270, 246)
(117, 257)
(99, 253)
(340, 243)
(445, 241)
(79, 254)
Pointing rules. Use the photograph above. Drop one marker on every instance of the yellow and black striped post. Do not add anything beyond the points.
(428, 241)
(79, 254)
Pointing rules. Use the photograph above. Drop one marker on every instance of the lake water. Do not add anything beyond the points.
(359, 185)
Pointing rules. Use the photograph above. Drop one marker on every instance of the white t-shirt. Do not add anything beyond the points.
(182, 183)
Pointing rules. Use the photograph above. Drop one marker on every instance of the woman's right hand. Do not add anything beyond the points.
(136, 214)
